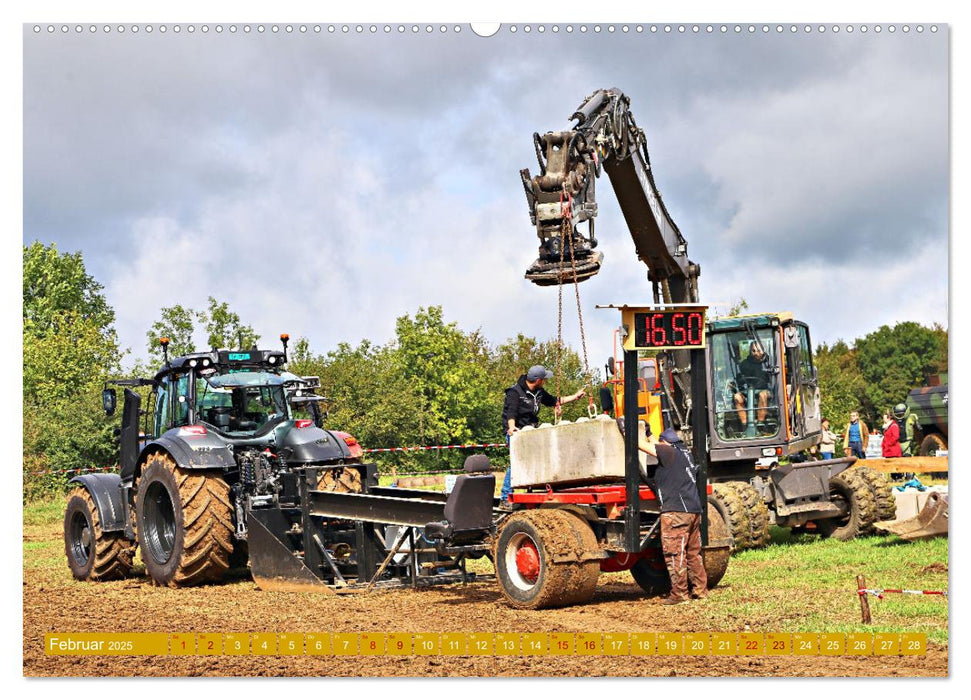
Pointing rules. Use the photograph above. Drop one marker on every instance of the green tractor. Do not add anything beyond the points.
(225, 434)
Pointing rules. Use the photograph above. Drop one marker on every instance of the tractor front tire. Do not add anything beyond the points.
(185, 523)
(851, 490)
(541, 559)
(93, 554)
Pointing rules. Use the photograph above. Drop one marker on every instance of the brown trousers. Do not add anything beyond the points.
(681, 543)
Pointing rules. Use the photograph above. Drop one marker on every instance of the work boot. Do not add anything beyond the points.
(506, 507)
(673, 600)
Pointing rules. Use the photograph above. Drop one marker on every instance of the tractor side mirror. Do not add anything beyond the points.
(611, 369)
(109, 399)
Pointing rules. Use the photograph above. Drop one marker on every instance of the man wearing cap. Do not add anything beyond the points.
(677, 490)
(521, 407)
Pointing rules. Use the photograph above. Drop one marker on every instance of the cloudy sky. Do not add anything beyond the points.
(325, 184)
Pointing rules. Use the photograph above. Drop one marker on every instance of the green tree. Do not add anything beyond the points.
(55, 283)
(436, 359)
(69, 348)
(224, 329)
(895, 359)
(842, 387)
(178, 324)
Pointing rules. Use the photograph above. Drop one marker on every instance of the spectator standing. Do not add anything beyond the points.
(856, 437)
(891, 437)
(827, 442)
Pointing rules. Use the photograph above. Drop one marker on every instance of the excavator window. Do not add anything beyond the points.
(744, 384)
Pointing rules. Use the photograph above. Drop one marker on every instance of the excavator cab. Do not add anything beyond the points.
(763, 391)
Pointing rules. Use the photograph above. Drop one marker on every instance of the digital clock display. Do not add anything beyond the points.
(669, 329)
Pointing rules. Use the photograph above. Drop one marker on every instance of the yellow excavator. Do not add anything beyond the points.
(760, 393)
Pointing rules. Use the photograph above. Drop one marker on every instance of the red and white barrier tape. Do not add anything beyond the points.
(878, 592)
(433, 447)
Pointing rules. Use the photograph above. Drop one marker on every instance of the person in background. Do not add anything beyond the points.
(891, 437)
(907, 427)
(856, 437)
(827, 441)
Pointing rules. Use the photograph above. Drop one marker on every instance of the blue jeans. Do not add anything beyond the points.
(506, 482)
(826, 455)
(856, 449)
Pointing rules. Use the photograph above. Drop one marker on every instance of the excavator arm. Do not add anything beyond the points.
(561, 198)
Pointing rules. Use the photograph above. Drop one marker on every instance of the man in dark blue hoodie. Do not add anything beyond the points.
(521, 408)
(677, 490)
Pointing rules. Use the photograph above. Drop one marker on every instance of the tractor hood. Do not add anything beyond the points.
(310, 444)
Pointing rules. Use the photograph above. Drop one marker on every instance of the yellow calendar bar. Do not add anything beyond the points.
(487, 644)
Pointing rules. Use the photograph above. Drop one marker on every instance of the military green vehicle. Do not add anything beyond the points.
(929, 404)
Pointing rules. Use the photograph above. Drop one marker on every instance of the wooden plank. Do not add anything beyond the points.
(918, 465)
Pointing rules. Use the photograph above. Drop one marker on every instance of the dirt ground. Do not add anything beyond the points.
(54, 602)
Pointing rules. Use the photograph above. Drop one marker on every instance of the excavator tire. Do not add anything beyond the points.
(758, 513)
(185, 523)
(92, 554)
(541, 559)
(651, 573)
(849, 488)
(883, 501)
(731, 507)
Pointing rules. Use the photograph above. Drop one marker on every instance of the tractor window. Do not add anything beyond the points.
(744, 384)
(241, 402)
(181, 401)
(162, 422)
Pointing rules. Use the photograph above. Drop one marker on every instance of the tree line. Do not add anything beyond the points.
(433, 383)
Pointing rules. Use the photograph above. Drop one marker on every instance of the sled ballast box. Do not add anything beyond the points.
(589, 451)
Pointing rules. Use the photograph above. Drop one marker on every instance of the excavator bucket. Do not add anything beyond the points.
(930, 522)
(548, 274)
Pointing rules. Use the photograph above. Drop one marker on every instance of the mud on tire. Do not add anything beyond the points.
(885, 506)
(851, 489)
(185, 523)
(92, 554)
(758, 513)
(536, 559)
(731, 506)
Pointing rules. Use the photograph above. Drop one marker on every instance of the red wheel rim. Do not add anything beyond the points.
(527, 561)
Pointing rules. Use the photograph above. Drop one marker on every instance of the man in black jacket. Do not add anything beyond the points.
(521, 407)
(677, 489)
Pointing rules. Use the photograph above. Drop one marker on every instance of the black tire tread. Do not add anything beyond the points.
(113, 554)
(735, 514)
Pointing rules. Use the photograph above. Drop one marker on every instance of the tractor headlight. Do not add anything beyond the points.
(192, 363)
(272, 360)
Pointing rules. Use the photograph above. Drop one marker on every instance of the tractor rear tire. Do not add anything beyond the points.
(758, 513)
(343, 479)
(850, 488)
(540, 559)
(731, 507)
(651, 573)
(885, 505)
(93, 554)
(931, 445)
(185, 523)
